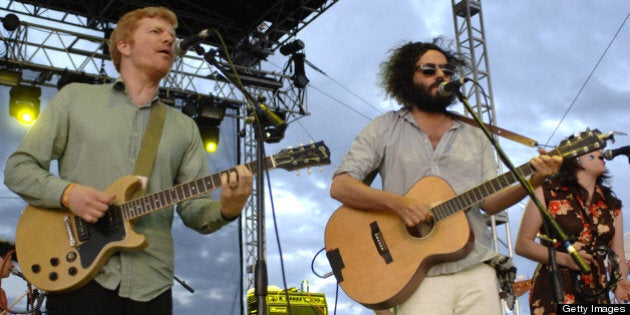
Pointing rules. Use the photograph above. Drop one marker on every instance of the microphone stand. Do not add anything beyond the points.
(261, 111)
(558, 293)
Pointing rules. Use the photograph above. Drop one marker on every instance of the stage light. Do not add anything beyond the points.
(208, 112)
(299, 75)
(24, 103)
(210, 137)
(10, 78)
(292, 47)
(271, 133)
(209, 119)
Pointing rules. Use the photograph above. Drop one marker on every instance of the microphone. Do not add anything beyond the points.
(17, 273)
(446, 89)
(181, 46)
(611, 154)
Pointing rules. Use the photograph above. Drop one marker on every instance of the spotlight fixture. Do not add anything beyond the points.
(210, 137)
(271, 133)
(208, 115)
(292, 47)
(24, 103)
(299, 75)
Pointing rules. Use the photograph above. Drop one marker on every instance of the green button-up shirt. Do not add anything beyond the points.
(94, 133)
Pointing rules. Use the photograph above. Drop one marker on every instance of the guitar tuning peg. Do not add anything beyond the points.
(309, 171)
(297, 173)
(321, 169)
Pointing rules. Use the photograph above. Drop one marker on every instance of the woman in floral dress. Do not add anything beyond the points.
(590, 215)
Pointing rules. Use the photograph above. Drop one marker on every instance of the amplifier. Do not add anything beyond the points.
(300, 303)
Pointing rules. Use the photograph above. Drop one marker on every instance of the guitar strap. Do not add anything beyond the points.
(150, 143)
(494, 129)
(498, 131)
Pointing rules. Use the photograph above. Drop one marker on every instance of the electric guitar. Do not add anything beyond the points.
(379, 261)
(67, 252)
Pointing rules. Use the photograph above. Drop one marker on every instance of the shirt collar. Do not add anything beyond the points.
(119, 85)
(405, 113)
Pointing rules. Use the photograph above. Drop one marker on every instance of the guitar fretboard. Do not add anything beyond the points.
(472, 196)
(166, 198)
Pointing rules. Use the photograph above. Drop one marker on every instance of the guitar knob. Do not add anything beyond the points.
(36, 268)
(53, 276)
(54, 262)
(71, 257)
(72, 271)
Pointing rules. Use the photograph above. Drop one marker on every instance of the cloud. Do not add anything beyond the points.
(540, 55)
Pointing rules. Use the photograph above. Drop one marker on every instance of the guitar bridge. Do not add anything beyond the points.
(379, 242)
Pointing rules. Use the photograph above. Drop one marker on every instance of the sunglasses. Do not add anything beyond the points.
(431, 68)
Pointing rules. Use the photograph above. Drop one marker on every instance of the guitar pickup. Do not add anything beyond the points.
(83, 231)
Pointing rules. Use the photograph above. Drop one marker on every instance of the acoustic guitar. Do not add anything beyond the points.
(379, 261)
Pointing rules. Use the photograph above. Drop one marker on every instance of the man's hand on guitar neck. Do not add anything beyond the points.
(545, 166)
(86, 202)
(235, 189)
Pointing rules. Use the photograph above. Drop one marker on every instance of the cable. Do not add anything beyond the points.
(333, 98)
(588, 78)
(340, 102)
(342, 86)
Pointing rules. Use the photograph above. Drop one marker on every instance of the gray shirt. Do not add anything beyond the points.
(402, 153)
(94, 132)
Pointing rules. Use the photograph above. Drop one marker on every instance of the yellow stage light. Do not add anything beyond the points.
(24, 103)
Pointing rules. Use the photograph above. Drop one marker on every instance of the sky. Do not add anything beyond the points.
(557, 68)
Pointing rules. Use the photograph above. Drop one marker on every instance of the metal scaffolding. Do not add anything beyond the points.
(471, 43)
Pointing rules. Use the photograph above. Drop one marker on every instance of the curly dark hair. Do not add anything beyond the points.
(396, 74)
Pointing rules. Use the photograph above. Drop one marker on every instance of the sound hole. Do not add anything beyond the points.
(422, 230)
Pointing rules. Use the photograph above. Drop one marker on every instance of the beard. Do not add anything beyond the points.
(420, 97)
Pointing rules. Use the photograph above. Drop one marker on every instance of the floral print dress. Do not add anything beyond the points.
(587, 227)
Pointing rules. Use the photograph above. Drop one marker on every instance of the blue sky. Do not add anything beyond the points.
(555, 70)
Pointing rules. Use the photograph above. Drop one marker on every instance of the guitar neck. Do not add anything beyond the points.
(475, 195)
(176, 194)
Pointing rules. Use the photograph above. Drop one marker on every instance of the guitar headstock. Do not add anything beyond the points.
(583, 142)
(314, 154)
